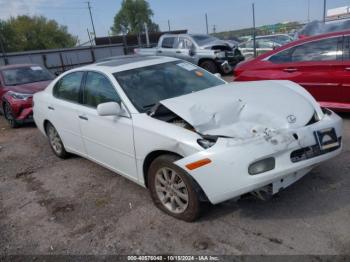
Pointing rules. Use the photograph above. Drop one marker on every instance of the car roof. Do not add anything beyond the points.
(16, 66)
(123, 63)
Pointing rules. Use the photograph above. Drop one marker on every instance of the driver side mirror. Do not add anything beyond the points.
(109, 109)
(192, 50)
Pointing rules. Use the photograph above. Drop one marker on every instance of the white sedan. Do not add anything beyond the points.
(184, 133)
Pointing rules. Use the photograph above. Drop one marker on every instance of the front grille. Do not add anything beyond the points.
(310, 152)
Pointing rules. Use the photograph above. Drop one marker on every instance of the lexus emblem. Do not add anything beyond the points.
(291, 119)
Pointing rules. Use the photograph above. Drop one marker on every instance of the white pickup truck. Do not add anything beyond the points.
(206, 51)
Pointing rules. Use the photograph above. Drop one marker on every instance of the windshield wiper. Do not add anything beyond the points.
(148, 106)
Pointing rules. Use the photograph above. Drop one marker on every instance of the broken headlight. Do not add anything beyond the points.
(262, 166)
(207, 141)
(19, 96)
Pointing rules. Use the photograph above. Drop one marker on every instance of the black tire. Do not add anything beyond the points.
(9, 116)
(55, 141)
(193, 206)
(210, 66)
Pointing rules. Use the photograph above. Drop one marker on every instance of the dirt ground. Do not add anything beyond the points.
(53, 206)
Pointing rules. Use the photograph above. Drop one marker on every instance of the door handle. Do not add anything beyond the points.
(159, 51)
(84, 118)
(51, 108)
(179, 52)
(290, 70)
(347, 68)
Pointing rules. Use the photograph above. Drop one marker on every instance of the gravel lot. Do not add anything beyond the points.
(53, 206)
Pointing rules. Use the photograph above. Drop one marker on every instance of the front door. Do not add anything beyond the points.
(108, 139)
(316, 65)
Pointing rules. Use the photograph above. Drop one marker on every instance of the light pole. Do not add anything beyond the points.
(324, 10)
(206, 22)
(254, 33)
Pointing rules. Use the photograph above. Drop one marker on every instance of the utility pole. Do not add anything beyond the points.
(308, 11)
(214, 29)
(169, 25)
(324, 10)
(92, 21)
(206, 23)
(254, 33)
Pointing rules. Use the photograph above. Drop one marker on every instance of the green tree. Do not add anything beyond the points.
(25, 33)
(131, 18)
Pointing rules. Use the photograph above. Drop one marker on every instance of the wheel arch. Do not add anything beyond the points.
(153, 155)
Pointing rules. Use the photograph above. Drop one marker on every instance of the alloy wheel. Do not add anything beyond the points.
(171, 190)
(55, 140)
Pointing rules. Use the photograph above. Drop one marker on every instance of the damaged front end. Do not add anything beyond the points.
(252, 134)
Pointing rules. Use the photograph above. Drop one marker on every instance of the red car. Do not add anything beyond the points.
(321, 64)
(18, 83)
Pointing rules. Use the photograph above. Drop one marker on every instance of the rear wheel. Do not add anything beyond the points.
(55, 141)
(210, 66)
(172, 190)
(9, 116)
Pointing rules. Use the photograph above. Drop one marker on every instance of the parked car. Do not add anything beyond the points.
(321, 64)
(262, 46)
(207, 51)
(184, 133)
(18, 83)
(281, 39)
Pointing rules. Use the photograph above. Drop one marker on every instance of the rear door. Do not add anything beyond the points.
(316, 65)
(63, 111)
(167, 46)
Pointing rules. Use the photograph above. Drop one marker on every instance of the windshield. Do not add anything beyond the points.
(203, 39)
(24, 75)
(146, 86)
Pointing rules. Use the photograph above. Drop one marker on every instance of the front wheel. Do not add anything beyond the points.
(56, 142)
(9, 116)
(210, 66)
(172, 190)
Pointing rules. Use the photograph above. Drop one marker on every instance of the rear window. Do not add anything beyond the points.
(25, 75)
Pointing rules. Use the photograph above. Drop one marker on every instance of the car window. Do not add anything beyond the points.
(168, 42)
(98, 89)
(324, 50)
(347, 49)
(25, 75)
(68, 87)
(184, 43)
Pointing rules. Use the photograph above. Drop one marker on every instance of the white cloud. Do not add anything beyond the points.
(10, 8)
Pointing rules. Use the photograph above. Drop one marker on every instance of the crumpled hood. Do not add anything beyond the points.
(245, 109)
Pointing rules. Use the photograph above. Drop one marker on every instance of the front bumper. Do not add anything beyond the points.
(22, 110)
(227, 176)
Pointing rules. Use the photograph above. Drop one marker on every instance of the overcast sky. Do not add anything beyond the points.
(183, 14)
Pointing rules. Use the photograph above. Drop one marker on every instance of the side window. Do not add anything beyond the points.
(168, 42)
(98, 89)
(347, 48)
(68, 87)
(184, 43)
(324, 50)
